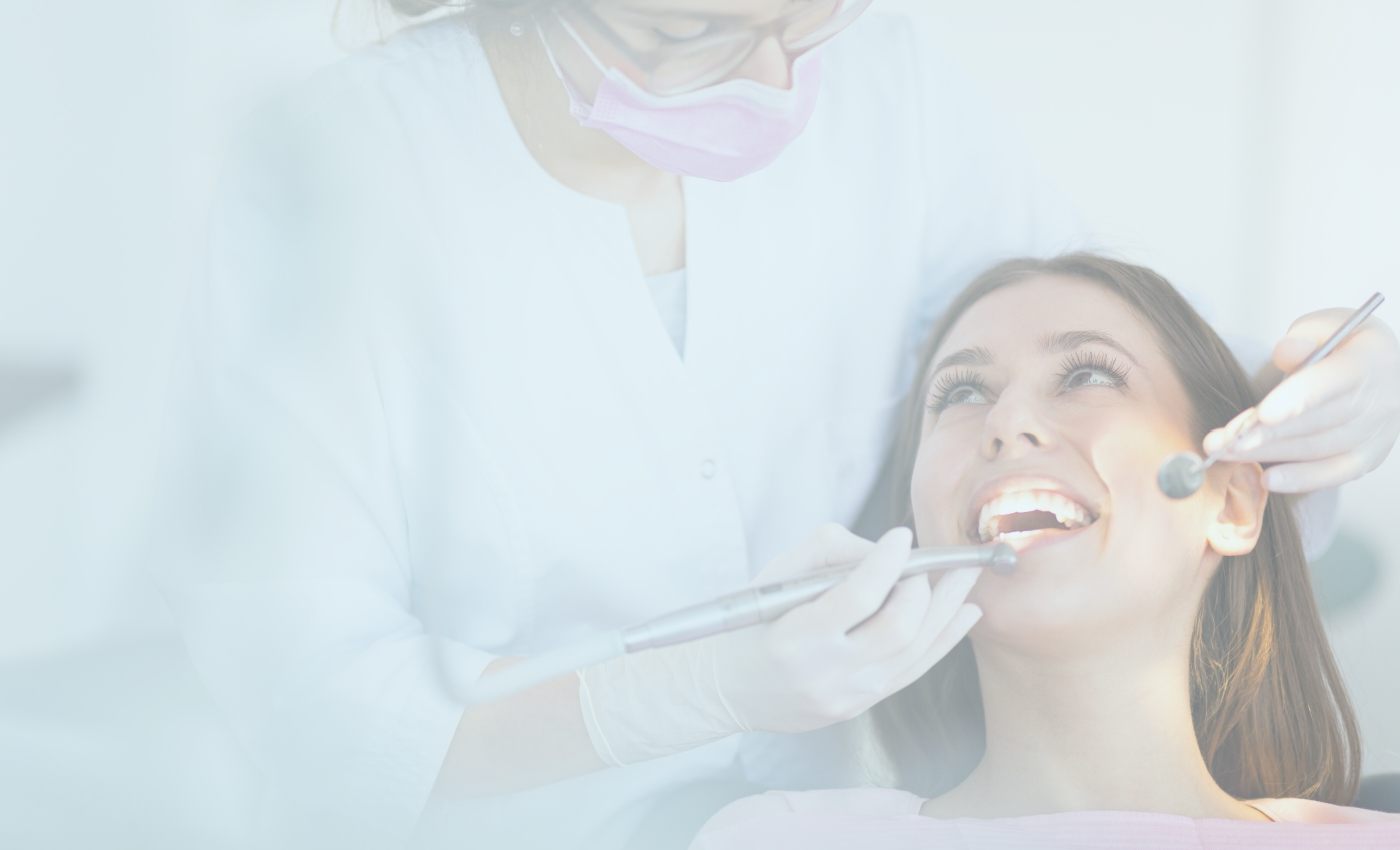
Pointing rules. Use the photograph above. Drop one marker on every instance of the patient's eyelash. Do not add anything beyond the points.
(948, 384)
(1092, 361)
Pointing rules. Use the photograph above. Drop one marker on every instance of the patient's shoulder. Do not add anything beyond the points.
(842, 801)
(1298, 810)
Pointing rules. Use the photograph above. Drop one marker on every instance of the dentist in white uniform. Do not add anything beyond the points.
(550, 317)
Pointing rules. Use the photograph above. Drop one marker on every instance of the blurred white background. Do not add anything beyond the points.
(1247, 146)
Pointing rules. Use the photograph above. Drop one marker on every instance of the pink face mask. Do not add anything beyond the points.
(721, 132)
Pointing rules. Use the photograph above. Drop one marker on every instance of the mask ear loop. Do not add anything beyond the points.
(578, 40)
(578, 104)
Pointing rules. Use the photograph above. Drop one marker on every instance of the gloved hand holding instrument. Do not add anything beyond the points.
(876, 618)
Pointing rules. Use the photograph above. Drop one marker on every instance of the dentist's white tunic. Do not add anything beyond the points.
(443, 418)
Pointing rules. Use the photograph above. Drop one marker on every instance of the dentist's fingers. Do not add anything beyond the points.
(865, 590)
(935, 650)
(1331, 422)
(1316, 475)
(1370, 353)
(901, 638)
(1322, 445)
(1337, 413)
(1338, 376)
(1294, 348)
(1323, 395)
(831, 545)
(1311, 330)
(1231, 430)
(897, 622)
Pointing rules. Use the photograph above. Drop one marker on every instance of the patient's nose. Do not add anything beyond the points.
(1011, 429)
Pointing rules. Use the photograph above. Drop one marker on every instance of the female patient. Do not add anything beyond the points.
(1155, 670)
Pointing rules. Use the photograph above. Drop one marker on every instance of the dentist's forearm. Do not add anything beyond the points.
(523, 741)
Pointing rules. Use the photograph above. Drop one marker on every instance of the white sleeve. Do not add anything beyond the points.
(288, 568)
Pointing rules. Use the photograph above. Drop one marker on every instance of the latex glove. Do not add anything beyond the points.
(821, 663)
(1332, 422)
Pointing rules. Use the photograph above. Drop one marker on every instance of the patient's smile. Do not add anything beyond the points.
(1012, 511)
(1026, 513)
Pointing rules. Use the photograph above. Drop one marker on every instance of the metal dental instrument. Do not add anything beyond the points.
(734, 611)
(769, 602)
(1182, 474)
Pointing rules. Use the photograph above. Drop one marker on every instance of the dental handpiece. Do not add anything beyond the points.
(1182, 474)
(770, 601)
(727, 613)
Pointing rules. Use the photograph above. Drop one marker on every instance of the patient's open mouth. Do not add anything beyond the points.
(1026, 513)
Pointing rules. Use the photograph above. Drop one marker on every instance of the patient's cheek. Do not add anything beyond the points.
(1135, 439)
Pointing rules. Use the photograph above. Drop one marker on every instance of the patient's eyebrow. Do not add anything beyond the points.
(975, 356)
(1070, 340)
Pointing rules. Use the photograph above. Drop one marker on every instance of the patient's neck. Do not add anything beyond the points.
(1108, 730)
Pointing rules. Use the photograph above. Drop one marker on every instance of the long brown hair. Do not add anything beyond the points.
(1271, 714)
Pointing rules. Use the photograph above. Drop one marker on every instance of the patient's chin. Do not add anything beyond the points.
(1038, 617)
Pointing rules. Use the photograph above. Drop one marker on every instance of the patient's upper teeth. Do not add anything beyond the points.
(1067, 512)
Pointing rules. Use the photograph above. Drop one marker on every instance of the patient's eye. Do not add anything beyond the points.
(1091, 369)
(960, 387)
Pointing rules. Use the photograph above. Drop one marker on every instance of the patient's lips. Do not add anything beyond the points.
(1011, 510)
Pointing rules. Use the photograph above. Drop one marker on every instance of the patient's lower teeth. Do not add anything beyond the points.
(1012, 535)
(1017, 533)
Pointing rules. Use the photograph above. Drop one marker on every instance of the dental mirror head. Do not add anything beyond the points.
(1181, 475)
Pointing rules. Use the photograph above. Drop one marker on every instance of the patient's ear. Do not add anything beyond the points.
(1241, 499)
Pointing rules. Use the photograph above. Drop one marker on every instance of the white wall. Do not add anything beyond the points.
(1246, 145)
